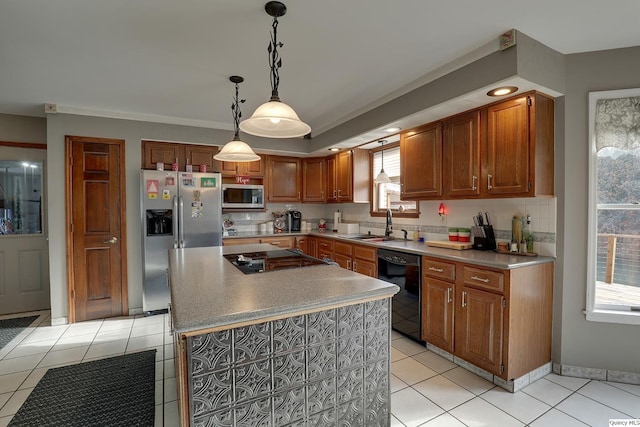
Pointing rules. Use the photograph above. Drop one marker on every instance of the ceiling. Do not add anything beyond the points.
(169, 61)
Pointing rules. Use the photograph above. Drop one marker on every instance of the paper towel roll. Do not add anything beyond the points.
(337, 217)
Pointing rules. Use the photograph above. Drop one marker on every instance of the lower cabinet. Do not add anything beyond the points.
(359, 258)
(284, 242)
(308, 245)
(325, 247)
(498, 320)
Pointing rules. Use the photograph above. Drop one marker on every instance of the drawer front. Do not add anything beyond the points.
(343, 248)
(484, 279)
(368, 253)
(325, 245)
(438, 269)
(281, 242)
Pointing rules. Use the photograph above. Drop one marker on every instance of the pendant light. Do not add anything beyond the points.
(382, 176)
(275, 119)
(236, 150)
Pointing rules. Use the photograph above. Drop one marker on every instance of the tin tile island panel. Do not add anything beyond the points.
(323, 369)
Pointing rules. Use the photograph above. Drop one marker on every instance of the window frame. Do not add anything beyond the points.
(372, 186)
(601, 313)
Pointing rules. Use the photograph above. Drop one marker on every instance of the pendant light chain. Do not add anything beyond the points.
(275, 62)
(237, 114)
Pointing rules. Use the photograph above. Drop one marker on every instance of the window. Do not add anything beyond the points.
(387, 195)
(614, 207)
(20, 197)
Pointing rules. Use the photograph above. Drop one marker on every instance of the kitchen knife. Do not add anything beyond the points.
(480, 220)
(488, 219)
(475, 220)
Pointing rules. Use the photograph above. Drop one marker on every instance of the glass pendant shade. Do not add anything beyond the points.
(275, 119)
(236, 151)
(382, 177)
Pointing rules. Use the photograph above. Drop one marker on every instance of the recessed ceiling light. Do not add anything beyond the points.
(502, 91)
(334, 149)
(392, 129)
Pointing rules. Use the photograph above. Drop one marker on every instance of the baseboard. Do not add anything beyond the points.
(57, 321)
(597, 374)
(135, 311)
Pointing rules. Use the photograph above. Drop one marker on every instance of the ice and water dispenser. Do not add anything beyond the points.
(159, 222)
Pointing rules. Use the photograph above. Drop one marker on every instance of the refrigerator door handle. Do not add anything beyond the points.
(181, 223)
(174, 219)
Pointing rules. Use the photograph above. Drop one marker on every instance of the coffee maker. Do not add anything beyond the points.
(295, 220)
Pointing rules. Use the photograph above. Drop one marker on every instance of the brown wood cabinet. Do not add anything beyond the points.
(498, 320)
(325, 247)
(461, 167)
(519, 149)
(421, 162)
(314, 180)
(284, 179)
(284, 242)
(241, 241)
(154, 152)
(359, 258)
(308, 245)
(438, 292)
(348, 177)
(252, 169)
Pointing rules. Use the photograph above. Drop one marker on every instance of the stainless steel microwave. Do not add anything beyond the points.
(242, 196)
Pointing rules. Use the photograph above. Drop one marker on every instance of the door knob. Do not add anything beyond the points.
(112, 240)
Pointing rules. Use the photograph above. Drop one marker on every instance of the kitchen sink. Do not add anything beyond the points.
(371, 238)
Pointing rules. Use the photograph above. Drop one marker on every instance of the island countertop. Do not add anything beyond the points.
(208, 292)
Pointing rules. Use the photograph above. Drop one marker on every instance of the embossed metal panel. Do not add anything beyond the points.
(324, 368)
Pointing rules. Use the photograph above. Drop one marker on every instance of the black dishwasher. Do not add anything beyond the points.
(403, 270)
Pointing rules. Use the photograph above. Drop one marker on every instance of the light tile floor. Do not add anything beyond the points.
(427, 390)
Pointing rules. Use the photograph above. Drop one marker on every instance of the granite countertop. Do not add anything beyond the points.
(481, 258)
(207, 291)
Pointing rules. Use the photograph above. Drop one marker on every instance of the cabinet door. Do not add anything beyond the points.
(312, 246)
(332, 179)
(284, 179)
(201, 155)
(343, 261)
(154, 152)
(302, 243)
(314, 180)
(437, 312)
(462, 155)
(345, 176)
(507, 151)
(479, 322)
(421, 163)
(367, 268)
(253, 169)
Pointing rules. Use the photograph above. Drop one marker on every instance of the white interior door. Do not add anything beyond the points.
(24, 254)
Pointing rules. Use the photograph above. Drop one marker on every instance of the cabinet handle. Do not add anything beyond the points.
(437, 270)
(322, 194)
(339, 193)
(334, 194)
(298, 195)
(489, 186)
(324, 244)
(355, 267)
(449, 295)
(348, 264)
(473, 185)
(479, 279)
(275, 243)
(464, 298)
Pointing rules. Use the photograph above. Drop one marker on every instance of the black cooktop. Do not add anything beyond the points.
(262, 262)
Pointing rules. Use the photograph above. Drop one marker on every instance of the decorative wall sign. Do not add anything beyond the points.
(240, 179)
(508, 39)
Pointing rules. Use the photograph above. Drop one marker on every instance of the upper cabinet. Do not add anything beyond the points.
(252, 169)
(461, 166)
(504, 149)
(284, 179)
(154, 152)
(519, 147)
(421, 162)
(314, 180)
(348, 177)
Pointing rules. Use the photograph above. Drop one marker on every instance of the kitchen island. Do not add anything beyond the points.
(302, 346)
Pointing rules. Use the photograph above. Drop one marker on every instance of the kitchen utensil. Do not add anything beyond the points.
(486, 214)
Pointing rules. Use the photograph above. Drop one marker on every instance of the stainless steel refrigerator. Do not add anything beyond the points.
(179, 210)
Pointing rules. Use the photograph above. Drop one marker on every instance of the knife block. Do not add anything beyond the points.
(483, 238)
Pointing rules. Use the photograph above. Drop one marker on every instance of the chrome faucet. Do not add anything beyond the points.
(388, 230)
